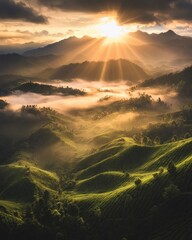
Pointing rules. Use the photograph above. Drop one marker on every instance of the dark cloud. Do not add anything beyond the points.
(9, 9)
(138, 11)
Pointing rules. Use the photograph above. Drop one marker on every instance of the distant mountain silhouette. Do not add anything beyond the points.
(164, 36)
(166, 48)
(164, 52)
(18, 64)
(62, 47)
(113, 70)
(20, 48)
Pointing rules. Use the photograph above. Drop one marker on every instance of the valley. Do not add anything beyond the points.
(97, 146)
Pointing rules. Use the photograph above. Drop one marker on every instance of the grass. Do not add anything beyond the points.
(103, 184)
(19, 181)
(106, 180)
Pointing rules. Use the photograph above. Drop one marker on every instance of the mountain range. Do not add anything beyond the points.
(139, 47)
(158, 53)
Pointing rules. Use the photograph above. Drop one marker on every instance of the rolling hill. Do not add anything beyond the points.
(108, 185)
(122, 183)
(113, 70)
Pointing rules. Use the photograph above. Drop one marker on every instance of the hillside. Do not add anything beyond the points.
(20, 65)
(107, 189)
(110, 185)
(53, 171)
(124, 163)
(48, 89)
(113, 70)
(179, 81)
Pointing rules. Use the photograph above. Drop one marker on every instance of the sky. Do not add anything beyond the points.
(44, 21)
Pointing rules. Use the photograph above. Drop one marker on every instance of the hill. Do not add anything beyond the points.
(48, 89)
(53, 181)
(127, 186)
(113, 70)
(110, 184)
(179, 81)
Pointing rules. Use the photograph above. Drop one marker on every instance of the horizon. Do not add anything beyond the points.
(98, 37)
(20, 48)
(44, 22)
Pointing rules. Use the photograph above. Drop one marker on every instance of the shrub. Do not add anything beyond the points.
(127, 175)
(157, 140)
(161, 170)
(138, 182)
(171, 191)
(95, 212)
(155, 176)
(172, 169)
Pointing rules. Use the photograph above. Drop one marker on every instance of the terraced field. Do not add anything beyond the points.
(107, 183)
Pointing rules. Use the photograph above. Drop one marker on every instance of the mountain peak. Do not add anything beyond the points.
(170, 33)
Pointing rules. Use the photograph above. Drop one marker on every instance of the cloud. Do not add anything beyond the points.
(137, 11)
(43, 33)
(9, 9)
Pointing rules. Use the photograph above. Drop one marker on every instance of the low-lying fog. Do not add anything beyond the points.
(97, 93)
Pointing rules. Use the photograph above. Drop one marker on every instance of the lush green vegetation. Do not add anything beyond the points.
(53, 187)
(143, 102)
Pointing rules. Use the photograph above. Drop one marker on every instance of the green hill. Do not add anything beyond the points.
(120, 186)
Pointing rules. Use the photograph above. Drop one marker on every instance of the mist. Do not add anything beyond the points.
(97, 94)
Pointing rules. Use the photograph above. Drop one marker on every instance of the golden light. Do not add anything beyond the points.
(112, 30)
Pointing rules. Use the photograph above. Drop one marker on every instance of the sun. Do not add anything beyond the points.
(112, 30)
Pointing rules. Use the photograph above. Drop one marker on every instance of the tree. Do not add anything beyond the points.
(138, 182)
(95, 212)
(172, 169)
(29, 215)
(46, 197)
(157, 140)
(145, 140)
(174, 138)
(127, 175)
(187, 135)
(155, 176)
(161, 170)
